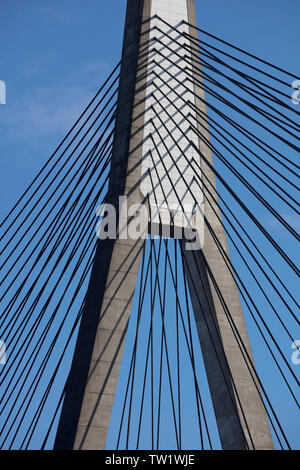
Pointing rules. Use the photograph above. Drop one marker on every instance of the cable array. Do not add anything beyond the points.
(240, 112)
(48, 244)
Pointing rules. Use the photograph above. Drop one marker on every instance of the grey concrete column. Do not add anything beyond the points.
(228, 375)
(91, 385)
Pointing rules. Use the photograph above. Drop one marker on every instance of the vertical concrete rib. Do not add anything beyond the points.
(219, 346)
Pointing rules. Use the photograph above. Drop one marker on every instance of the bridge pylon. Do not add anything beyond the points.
(157, 103)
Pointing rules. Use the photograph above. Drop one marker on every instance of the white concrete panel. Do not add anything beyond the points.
(171, 150)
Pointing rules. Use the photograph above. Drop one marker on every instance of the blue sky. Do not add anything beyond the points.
(55, 55)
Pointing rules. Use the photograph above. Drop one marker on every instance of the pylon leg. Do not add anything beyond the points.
(96, 362)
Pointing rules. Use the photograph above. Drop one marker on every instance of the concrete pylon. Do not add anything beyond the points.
(91, 385)
(240, 414)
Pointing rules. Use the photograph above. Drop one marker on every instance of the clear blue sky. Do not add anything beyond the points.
(55, 54)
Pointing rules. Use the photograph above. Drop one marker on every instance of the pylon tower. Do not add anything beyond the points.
(156, 94)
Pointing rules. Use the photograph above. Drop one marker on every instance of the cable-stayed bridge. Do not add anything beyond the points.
(130, 327)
